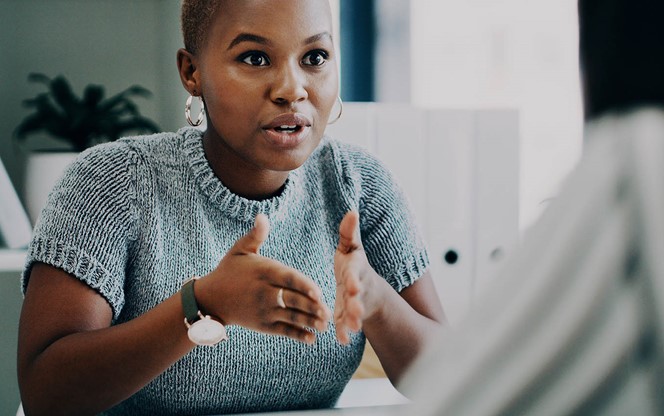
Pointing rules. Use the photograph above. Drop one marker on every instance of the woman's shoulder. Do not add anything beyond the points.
(348, 160)
(99, 159)
(342, 149)
(165, 145)
(153, 149)
(344, 153)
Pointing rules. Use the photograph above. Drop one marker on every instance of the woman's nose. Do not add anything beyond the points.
(289, 85)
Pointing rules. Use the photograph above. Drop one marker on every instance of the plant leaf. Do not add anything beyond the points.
(125, 107)
(48, 112)
(33, 102)
(92, 95)
(123, 97)
(82, 122)
(137, 90)
(63, 95)
(30, 124)
(38, 77)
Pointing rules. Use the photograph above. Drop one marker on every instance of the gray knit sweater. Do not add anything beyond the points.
(133, 219)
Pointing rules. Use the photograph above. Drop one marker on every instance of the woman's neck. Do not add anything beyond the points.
(240, 177)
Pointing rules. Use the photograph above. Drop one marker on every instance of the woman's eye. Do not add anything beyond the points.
(315, 58)
(255, 59)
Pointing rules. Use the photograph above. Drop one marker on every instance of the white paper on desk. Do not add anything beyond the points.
(15, 228)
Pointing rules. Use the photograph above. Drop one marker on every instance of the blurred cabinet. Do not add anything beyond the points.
(10, 307)
(11, 260)
(460, 171)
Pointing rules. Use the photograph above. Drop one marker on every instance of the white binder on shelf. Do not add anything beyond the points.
(451, 225)
(459, 169)
(15, 228)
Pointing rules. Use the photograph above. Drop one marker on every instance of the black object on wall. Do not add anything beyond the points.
(621, 54)
(358, 45)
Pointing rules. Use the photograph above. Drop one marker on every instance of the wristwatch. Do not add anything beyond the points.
(201, 329)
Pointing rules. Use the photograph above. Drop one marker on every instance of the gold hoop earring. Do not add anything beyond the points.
(341, 111)
(187, 111)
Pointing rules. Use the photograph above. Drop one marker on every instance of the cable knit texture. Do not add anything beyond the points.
(133, 219)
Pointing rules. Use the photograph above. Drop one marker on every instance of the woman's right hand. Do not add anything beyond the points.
(244, 290)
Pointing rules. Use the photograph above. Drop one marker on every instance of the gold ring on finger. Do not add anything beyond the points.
(280, 298)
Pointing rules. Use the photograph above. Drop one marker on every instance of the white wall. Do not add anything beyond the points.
(506, 53)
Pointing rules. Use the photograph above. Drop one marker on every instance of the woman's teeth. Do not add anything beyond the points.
(287, 129)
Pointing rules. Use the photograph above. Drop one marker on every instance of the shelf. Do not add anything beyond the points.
(12, 260)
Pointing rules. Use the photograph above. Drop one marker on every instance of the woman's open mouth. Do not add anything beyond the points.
(287, 130)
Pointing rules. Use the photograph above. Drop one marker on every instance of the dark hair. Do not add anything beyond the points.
(621, 54)
(196, 17)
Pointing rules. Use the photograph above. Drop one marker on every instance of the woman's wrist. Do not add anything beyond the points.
(376, 297)
(204, 292)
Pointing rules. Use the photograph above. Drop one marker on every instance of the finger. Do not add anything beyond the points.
(348, 282)
(338, 312)
(344, 326)
(347, 317)
(292, 331)
(353, 314)
(342, 334)
(300, 319)
(280, 275)
(350, 314)
(253, 240)
(339, 327)
(298, 301)
(349, 233)
(340, 303)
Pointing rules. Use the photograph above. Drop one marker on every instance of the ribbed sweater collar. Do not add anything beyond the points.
(234, 205)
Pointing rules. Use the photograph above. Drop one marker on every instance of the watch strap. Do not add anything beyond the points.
(189, 304)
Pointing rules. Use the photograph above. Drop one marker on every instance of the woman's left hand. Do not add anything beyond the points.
(355, 279)
(398, 325)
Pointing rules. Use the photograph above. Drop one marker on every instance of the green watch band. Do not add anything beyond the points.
(201, 329)
(189, 304)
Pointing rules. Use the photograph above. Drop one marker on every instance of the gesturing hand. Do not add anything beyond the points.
(354, 277)
(263, 294)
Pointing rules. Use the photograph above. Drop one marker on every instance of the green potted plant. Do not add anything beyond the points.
(77, 123)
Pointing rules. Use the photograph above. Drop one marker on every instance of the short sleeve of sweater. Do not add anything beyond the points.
(390, 236)
(86, 226)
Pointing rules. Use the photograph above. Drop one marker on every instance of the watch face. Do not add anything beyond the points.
(206, 331)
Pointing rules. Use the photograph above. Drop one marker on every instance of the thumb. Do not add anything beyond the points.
(349, 232)
(254, 239)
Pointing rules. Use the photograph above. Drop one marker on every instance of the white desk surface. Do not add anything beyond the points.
(386, 410)
(362, 397)
(370, 396)
(370, 392)
(11, 260)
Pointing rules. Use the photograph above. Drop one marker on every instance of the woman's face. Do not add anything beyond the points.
(269, 79)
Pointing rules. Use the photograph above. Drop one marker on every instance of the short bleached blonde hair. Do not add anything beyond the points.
(196, 18)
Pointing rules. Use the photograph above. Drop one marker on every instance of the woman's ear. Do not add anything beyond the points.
(189, 74)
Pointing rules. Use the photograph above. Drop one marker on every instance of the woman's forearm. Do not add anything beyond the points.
(87, 372)
(397, 332)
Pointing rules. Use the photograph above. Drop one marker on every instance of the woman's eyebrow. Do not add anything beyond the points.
(248, 37)
(316, 38)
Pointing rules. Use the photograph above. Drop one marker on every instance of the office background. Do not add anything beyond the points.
(432, 53)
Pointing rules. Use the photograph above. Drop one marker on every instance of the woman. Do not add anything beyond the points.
(302, 225)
